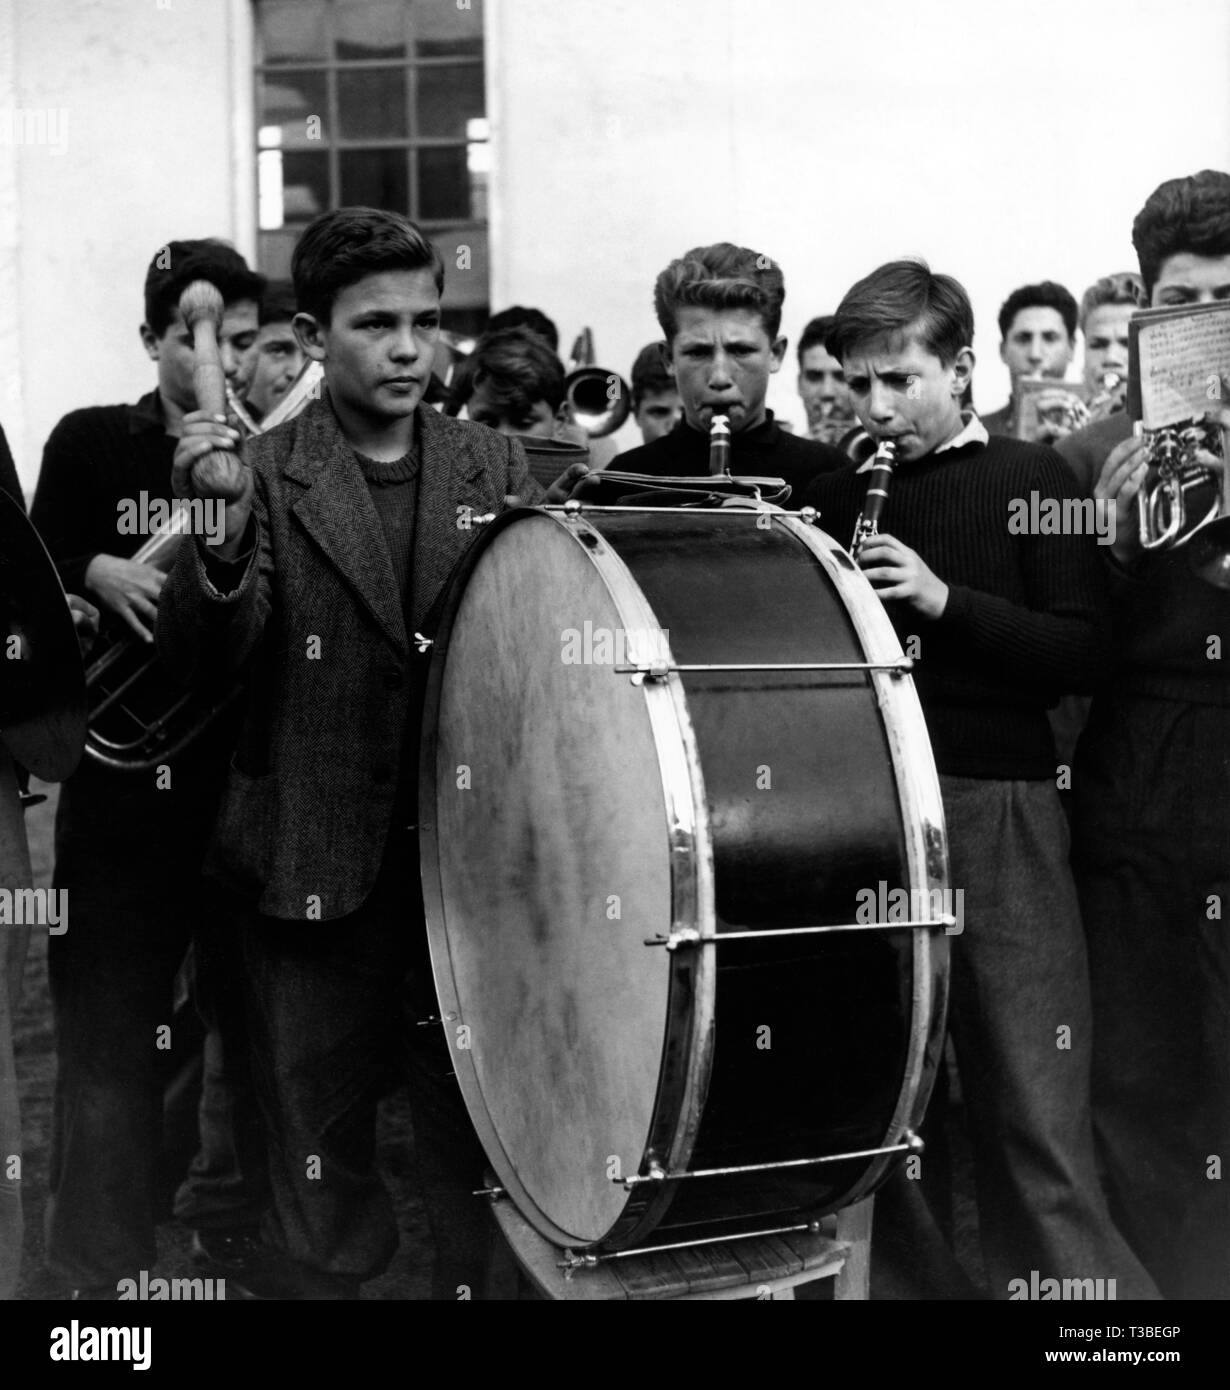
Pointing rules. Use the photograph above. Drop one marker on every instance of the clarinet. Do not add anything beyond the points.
(719, 446)
(882, 466)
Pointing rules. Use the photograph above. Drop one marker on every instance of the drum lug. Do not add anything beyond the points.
(571, 1263)
(654, 673)
(809, 516)
(685, 936)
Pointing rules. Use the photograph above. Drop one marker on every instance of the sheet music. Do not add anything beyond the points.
(1181, 361)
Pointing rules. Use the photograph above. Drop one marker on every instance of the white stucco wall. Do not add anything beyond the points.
(151, 154)
(1005, 143)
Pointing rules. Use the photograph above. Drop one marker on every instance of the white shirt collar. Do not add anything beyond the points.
(973, 431)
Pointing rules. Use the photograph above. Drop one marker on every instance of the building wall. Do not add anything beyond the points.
(1004, 143)
(155, 148)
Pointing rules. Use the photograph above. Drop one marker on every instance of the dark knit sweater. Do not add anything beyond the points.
(394, 491)
(767, 451)
(1023, 621)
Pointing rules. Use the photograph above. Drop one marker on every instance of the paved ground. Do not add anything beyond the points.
(409, 1275)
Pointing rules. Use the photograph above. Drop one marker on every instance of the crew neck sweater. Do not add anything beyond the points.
(393, 488)
(1023, 623)
(767, 451)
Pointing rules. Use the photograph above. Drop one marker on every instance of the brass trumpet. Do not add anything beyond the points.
(1163, 514)
(598, 400)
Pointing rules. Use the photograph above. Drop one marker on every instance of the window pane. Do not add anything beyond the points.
(375, 179)
(463, 287)
(274, 250)
(448, 97)
(445, 31)
(292, 31)
(287, 100)
(305, 186)
(370, 28)
(444, 183)
(371, 103)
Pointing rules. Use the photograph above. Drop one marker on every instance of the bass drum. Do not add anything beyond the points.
(655, 900)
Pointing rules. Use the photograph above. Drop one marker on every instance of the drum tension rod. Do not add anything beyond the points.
(572, 1262)
(689, 936)
(659, 670)
(911, 1144)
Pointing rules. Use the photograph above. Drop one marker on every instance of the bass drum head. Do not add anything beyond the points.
(546, 864)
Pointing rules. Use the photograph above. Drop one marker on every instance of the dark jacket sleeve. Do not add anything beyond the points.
(206, 630)
(68, 505)
(9, 481)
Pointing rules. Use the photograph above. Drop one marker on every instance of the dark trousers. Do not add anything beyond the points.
(131, 866)
(227, 1185)
(329, 1038)
(1152, 861)
(1021, 1023)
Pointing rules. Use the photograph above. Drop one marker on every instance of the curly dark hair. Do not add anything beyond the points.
(178, 263)
(1047, 294)
(1191, 214)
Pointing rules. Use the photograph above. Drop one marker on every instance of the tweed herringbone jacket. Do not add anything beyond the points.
(317, 623)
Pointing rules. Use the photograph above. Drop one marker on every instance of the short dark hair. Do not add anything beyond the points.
(814, 334)
(900, 298)
(178, 263)
(1123, 287)
(278, 303)
(649, 374)
(722, 276)
(1191, 214)
(518, 369)
(338, 248)
(519, 316)
(1046, 295)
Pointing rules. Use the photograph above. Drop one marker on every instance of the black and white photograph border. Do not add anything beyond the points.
(705, 724)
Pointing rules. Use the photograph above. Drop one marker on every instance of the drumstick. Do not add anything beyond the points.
(201, 307)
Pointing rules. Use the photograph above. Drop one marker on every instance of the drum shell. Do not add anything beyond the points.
(805, 791)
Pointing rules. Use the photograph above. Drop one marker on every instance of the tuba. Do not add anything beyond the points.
(137, 716)
(598, 400)
(1166, 518)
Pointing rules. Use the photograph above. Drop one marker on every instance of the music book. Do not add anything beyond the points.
(1029, 418)
(1177, 357)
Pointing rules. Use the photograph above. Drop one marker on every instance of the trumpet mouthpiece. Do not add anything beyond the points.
(201, 300)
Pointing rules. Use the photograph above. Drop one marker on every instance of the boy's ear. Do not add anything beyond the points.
(777, 353)
(310, 332)
(962, 371)
(149, 341)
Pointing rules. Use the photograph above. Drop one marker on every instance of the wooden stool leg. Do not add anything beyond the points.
(854, 1227)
